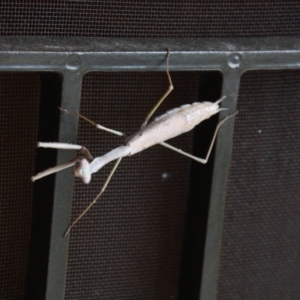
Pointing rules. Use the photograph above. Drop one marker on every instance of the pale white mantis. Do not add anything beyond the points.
(171, 124)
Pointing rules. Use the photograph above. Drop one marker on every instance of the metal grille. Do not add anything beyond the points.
(129, 245)
(19, 94)
(150, 19)
(131, 19)
(260, 252)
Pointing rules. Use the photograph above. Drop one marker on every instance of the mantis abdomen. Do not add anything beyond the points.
(169, 125)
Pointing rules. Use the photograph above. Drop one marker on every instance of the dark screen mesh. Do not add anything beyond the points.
(150, 19)
(260, 251)
(19, 104)
(129, 244)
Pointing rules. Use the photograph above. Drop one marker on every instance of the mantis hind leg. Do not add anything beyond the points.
(164, 96)
(200, 160)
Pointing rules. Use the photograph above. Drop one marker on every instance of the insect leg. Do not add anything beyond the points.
(98, 126)
(65, 146)
(170, 88)
(65, 165)
(55, 169)
(97, 197)
(200, 160)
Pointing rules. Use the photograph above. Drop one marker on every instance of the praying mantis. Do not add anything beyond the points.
(169, 125)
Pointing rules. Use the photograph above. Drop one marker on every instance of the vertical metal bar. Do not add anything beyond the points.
(58, 251)
(212, 251)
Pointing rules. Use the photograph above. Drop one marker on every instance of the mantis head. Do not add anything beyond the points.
(83, 171)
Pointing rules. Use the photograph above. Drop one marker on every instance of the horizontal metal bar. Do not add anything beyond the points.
(84, 54)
